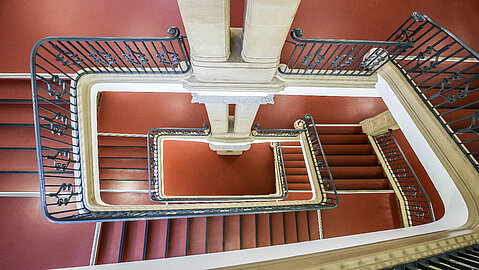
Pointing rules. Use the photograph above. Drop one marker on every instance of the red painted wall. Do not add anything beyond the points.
(24, 22)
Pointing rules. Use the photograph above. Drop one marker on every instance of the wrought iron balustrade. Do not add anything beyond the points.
(444, 72)
(338, 57)
(57, 64)
(320, 162)
(416, 201)
(261, 132)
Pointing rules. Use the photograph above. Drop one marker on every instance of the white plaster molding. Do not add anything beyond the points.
(203, 99)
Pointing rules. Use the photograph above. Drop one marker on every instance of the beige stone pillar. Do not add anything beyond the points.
(266, 25)
(218, 116)
(244, 117)
(207, 24)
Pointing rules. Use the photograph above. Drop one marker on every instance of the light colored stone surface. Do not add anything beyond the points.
(207, 25)
(218, 116)
(244, 117)
(234, 69)
(266, 25)
(379, 124)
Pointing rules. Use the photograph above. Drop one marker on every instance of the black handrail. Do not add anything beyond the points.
(339, 57)
(417, 204)
(444, 72)
(57, 64)
(320, 161)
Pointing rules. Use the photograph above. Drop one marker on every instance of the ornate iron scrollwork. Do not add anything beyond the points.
(55, 127)
(473, 127)
(316, 56)
(96, 56)
(59, 159)
(61, 57)
(461, 94)
(164, 58)
(375, 59)
(130, 57)
(63, 195)
(55, 79)
(432, 65)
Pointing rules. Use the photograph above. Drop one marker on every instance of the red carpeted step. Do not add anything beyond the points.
(347, 149)
(291, 143)
(215, 234)
(290, 232)
(126, 198)
(22, 113)
(232, 233)
(105, 151)
(19, 182)
(291, 150)
(157, 239)
(352, 159)
(357, 171)
(197, 236)
(296, 171)
(178, 237)
(339, 129)
(343, 138)
(109, 245)
(302, 226)
(297, 178)
(364, 183)
(125, 174)
(299, 186)
(313, 224)
(277, 229)
(124, 185)
(12, 160)
(263, 234)
(17, 137)
(248, 231)
(123, 163)
(288, 157)
(122, 141)
(299, 196)
(134, 241)
(295, 163)
(16, 89)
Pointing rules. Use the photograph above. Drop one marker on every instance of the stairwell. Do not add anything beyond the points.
(123, 165)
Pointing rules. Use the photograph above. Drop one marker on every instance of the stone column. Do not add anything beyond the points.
(218, 116)
(207, 24)
(266, 25)
(244, 117)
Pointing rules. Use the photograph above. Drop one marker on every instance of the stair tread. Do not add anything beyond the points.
(109, 243)
(290, 227)
(134, 241)
(197, 236)
(157, 239)
(277, 228)
(248, 231)
(215, 234)
(232, 233)
(263, 230)
(177, 237)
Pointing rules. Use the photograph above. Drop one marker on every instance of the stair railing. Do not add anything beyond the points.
(418, 207)
(330, 57)
(57, 64)
(319, 159)
(444, 72)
